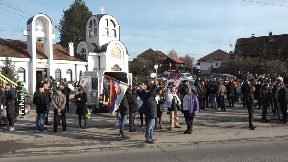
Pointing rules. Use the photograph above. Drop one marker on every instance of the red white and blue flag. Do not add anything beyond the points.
(117, 91)
(170, 77)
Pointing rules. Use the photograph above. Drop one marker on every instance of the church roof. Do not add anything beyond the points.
(18, 49)
(216, 55)
(99, 16)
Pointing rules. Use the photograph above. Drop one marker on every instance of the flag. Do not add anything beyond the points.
(176, 75)
(178, 81)
(117, 91)
(170, 77)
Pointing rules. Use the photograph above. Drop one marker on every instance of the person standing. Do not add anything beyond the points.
(9, 105)
(245, 90)
(66, 91)
(133, 106)
(221, 93)
(123, 112)
(160, 107)
(282, 100)
(190, 107)
(81, 100)
(250, 104)
(106, 89)
(213, 94)
(59, 102)
(150, 111)
(265, 102)
(230, 92)
(39, 100)
(201, 91)
(48, 101)
(173, 104)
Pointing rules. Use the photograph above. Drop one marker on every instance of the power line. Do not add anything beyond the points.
(13, 12)
(15, 8)
(265, 3)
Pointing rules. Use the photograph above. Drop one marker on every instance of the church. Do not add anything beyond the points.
(102, 50)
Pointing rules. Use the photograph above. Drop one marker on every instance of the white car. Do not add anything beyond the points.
(186, 76)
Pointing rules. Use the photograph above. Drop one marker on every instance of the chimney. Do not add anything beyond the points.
(270, 36)
(71, 49)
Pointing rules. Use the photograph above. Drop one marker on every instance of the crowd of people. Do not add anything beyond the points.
(148, 99)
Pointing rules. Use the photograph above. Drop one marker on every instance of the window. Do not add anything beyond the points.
(21, 74)
(92, 28)
(83, 53)
(217, 64)
(94, 83)
(109, 28)
(58, 75)
(69, 75)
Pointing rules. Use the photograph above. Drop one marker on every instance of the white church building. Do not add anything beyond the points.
(102, 50)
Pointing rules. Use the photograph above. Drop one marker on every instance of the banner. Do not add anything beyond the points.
(117, 91)
(170, 77)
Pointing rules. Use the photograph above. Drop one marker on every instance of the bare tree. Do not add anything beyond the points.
(172, 53)
(189, 61)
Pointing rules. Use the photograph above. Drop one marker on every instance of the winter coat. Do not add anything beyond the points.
(132, 100)
(81, 104)
(48, 96)
(58, 100)
(230, 88)
(9, 100)
(39, 100)
(201, 91)
(265, 98)
(250, 101)
(173, 102)
(149, 103)
(66, 91)
(124, 106)
(141, 93)
(160, 103)
(191, 104)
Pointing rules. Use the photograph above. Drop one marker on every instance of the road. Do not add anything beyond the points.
(275, 150)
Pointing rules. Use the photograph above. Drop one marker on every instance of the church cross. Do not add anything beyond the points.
(102, 10)
(39, 28)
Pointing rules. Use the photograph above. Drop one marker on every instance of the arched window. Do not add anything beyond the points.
(109, 28)
(58, 75)
(92, 28)
(83, 53)
(21, 74)
(69, 75)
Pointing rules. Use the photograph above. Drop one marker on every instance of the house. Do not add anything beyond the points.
(212, 61)
(271, 46)
(102, 50)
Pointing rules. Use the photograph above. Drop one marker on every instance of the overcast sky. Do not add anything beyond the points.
(194, 27)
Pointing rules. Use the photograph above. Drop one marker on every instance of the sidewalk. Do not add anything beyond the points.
(209, 127)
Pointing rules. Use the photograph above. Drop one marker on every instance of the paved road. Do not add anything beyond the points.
(247, 151)
(211, 126)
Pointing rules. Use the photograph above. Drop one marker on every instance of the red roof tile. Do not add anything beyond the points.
(216, 55)
(18, 49)
(176, 60)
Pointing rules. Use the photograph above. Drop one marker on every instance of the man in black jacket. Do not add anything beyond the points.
(230, 93)
(48, 101)
(245, 89)
(66, 91)
(150, 111)
(282, 100)
(250, 104)
(133, 106)
(39, 100)
(9, 104)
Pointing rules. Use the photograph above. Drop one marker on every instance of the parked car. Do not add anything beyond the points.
(187, 76)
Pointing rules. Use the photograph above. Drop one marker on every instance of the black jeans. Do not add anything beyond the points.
(202, 103)
(250, 115)
(80, 116)
(284, 111)
(264, 112)
(57, 118)
(189, 120)
(244, 98)
(10, 116)
(230, 98)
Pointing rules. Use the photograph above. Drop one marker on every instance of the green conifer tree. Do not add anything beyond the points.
(8, 70)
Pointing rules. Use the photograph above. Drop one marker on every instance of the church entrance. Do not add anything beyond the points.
(41, 74)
